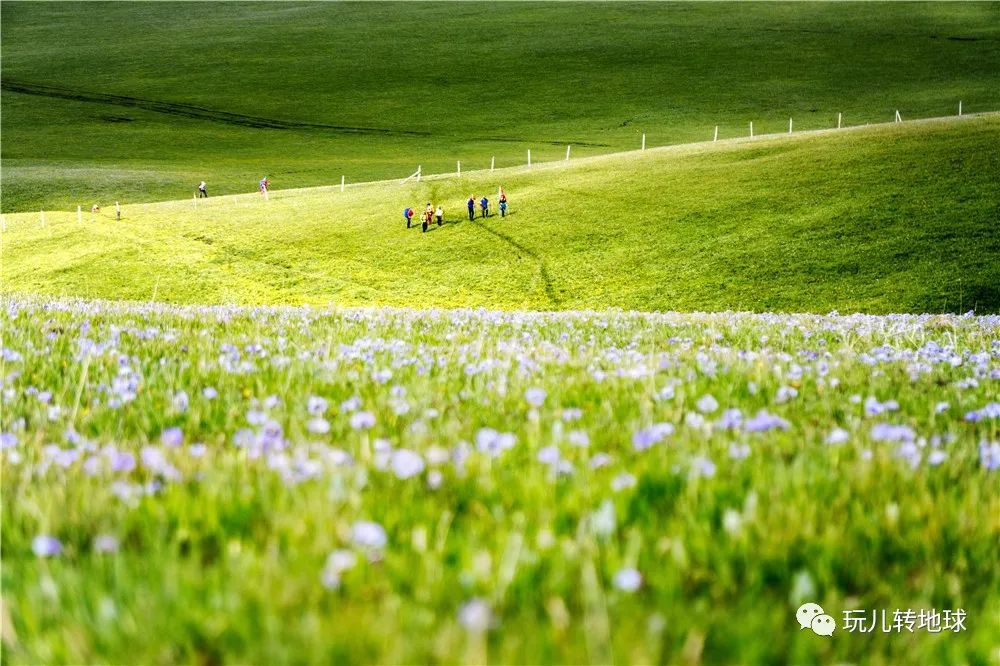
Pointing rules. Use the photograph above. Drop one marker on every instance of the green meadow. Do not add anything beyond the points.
(297, 485)
(140, 101)
(668, 398)
(898, 218)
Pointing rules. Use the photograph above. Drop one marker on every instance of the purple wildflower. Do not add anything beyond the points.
(730, 419)
(936, 457)
(887, 432)
(172, 437)
(121, 461)
(368, 535)
(599, 460)
(622, 481)
(362, 420)
(406, 463)
(105, 543)
(763, 421)
(535, 396)
(837, 436)
(628, 580)
(181, 401)
(316, 405)
(990, 411)
(739, 451)
(476, 616)
(647, 437)
(45, 545)
(989, 455)
(702, 466)
(707, 404)
(548, 455)
(318, 426)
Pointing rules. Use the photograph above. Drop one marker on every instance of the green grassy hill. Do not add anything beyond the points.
(140, 101)
(898, 218)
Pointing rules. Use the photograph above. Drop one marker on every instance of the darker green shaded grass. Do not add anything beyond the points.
(441, 82)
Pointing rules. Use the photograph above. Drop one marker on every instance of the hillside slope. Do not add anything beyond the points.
(897, 218)
(140, 101)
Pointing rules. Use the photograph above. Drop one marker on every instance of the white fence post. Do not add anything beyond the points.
(493, 161)
(529, 156)
(838, 119)
(644, 141)
(898, 118)
(751, 129)
(959, 107)
(567, 153)
(79, 215)
(342, 178)
(789, 125)
(458, 167)
(716, 137)
(419, 172)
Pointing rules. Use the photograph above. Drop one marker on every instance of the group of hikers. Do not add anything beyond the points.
(429, 216)
(432, 214)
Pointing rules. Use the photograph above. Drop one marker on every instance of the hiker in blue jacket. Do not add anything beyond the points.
(472, 207)
(484, 206)
(408, 216)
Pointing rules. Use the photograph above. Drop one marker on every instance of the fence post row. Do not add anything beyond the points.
(458, 165)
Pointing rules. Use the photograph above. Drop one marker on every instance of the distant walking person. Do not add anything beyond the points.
(503, 207)
(264, 184)
(484, 206)
(202, 190)
(408, 216)
(472, 207)
(439, 213)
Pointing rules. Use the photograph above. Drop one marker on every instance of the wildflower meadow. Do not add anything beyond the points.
(237, 484)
